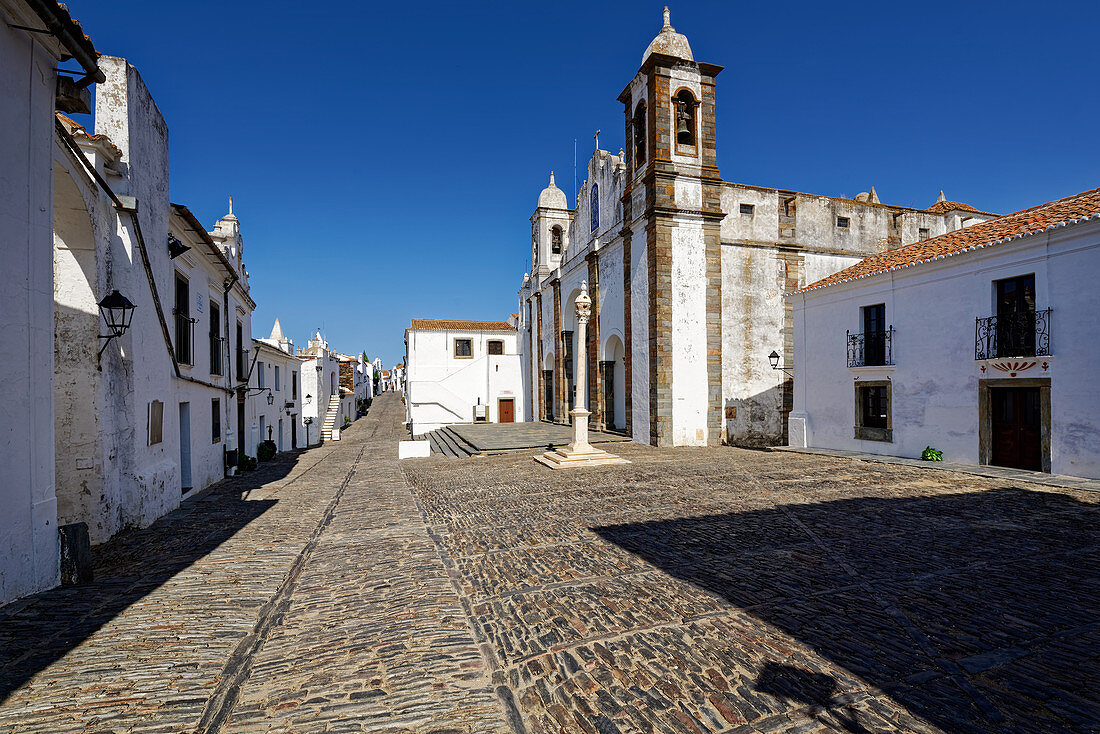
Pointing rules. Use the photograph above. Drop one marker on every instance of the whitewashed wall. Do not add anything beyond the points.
(442, 389)
(933, 308)
(28, 526)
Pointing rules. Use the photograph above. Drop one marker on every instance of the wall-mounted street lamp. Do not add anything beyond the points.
(308, 399)
(175, 247)
(288, 407)
(259, 391)
(117, 311)
(774, 359)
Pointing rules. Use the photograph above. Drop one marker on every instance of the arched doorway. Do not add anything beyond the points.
(613, 379)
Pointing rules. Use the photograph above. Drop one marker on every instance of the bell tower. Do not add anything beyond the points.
(549, 229)
(672, 246)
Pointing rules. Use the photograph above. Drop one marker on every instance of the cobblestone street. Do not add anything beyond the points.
(694, 590)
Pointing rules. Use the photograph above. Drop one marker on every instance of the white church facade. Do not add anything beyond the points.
(686, 271)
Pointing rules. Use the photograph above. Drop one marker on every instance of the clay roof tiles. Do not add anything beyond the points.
(1085, 205)
(458, 325)
(942, 207)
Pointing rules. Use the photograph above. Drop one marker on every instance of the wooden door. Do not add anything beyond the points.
(506, 412)
(1017, 426)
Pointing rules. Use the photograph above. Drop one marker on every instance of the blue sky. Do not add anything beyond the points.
(385, 158)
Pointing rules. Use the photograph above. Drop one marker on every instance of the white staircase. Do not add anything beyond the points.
(330, 417)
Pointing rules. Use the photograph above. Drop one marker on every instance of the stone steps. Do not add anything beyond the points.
(446, 442)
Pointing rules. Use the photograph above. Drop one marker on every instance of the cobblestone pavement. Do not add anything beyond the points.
(693, 590)
(303, 598)
(725, 590)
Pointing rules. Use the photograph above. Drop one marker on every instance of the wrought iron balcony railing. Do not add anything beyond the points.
(871, 349)
(1024, 334)
(215, 354)
(185, 338)
(242, 364)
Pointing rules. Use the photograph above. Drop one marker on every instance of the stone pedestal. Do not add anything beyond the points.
(580, 453)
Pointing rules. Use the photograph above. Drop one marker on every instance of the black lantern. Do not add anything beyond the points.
(175, 247)
(270, 398)
(774, 359)
(117, 311)
(308, 400)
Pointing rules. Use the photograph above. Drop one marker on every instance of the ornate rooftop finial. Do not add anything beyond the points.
(667, 24)
(230, 216)
(941, 197)
(551, 178)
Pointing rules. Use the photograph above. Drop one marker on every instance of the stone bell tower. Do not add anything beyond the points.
(549, 229)
(672, 259)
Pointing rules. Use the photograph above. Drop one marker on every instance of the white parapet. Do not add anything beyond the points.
(413, 449)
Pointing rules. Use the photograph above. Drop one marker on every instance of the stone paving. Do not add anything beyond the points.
(694, 590)
(496, 437)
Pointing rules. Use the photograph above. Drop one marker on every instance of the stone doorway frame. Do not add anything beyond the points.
(985, 416)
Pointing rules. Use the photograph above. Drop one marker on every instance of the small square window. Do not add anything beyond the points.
(923, 233)
(496, 347)
(843, 222)
(747, 209)
(464, 348)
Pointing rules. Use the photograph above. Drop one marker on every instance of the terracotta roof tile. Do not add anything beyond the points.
(942, 207)
(985, 234)
(458, 325)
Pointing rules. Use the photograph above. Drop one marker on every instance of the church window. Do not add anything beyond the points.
(639, 135)
(464, 348)
(684, 107)
(843, 222)
(496, 347)
(747, 209)
(595, 205)
(555, 240)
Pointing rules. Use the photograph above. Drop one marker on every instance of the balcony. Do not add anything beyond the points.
(242, 365)
(1023, 334)
(872, 349)
(185, 337)
(215, 354)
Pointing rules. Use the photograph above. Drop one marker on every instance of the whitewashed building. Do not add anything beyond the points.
(30, 92)
(982, 343)
(321, 403)
(686, 271)
(210, 306)
(462, 372)
(116, 436)
(275, 393)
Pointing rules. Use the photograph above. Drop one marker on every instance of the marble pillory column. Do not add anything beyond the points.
(580, 452)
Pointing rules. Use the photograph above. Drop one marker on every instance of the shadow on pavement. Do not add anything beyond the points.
(40, 629)
(976, 611)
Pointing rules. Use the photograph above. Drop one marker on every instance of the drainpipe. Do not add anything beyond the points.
(47, 12)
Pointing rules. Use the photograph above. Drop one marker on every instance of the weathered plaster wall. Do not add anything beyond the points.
(126, 113)
(28, 526)
(689, 342)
